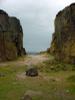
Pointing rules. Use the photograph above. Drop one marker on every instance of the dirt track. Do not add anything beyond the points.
(27, 60)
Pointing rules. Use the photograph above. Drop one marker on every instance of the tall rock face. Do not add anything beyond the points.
(63, 43)
(11, 37)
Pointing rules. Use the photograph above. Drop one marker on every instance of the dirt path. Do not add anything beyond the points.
(35, 59)
(27, 60)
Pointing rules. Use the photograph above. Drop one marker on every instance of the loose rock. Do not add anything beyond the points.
(32, 72)
(26, 97)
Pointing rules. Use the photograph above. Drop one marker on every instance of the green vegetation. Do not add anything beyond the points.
(56, 81)
(71, 78)
(52, 65)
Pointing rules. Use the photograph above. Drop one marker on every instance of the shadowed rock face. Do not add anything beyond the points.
(11, 37)
(63, 42)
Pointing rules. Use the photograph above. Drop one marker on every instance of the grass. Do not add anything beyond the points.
(53, 83)
(71, 78)
(52, 65)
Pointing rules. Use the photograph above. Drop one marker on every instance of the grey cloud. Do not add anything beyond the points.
(37, 18)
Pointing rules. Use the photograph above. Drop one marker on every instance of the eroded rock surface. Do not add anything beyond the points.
(11, 37)
(63, 42)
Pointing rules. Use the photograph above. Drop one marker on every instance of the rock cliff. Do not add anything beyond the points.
(63, 42)
(11, 37)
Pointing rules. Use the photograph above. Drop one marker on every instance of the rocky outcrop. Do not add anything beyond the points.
(11, 37)
(63, 42)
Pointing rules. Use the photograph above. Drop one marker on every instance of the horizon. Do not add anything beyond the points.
(37, 20)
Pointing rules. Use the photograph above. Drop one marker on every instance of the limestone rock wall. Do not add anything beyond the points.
(63, 42)
(11, 37)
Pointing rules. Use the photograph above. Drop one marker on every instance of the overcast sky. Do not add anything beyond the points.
(37, 19)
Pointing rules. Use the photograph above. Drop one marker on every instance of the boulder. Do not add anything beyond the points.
(32, 72)
(26, 97)
(63, 41)
(11, 37)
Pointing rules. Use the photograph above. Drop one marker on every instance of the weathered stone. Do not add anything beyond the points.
(11, 37)
(63, 42)
(26, 97)
(32, 72)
